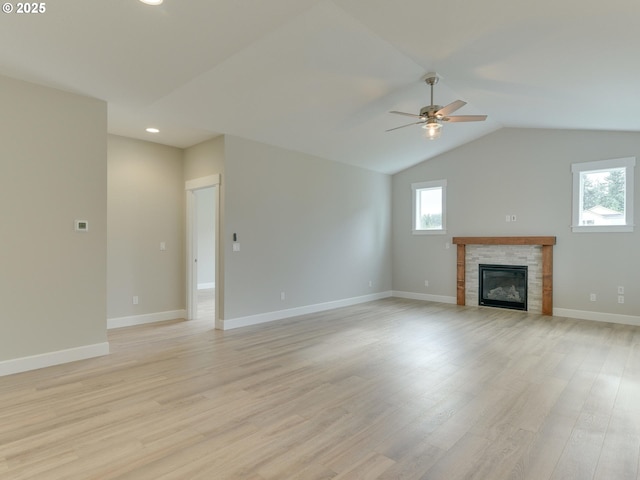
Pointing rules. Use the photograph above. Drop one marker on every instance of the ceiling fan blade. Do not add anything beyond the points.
(452, 107)
(402, 126)
(465, 118)
(406, 114)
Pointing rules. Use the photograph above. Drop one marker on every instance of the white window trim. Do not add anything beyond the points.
(627, 162)
(431, 184)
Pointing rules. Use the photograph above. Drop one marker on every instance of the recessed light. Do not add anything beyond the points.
(152, 2)
(153, 130)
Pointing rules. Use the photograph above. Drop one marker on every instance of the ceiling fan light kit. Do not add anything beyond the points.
(432, 116)
(433, 129)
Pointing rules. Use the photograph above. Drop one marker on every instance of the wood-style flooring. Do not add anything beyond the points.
(206, 304)
(392, 389)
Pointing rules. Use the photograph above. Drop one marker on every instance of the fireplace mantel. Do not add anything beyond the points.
(504, 240)
(546, 243)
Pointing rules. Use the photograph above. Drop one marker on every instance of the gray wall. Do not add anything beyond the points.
(53, 170)
(204, 159)
(525, 172)
(146, 206)
(315, 229)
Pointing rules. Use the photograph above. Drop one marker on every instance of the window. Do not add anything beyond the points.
(429, 202)
(603, 195)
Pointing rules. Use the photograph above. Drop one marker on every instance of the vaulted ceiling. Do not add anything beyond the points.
(320, 76)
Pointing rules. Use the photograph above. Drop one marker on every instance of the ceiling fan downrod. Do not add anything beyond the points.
(431, 79)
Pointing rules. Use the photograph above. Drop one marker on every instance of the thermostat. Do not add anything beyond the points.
(82, 226)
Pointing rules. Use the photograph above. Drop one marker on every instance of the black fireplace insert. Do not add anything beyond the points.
(503, 286)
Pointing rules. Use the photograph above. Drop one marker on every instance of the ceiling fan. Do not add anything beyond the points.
(432, 116)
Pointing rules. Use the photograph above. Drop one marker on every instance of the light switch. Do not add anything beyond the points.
(236, 246)
(163, 246)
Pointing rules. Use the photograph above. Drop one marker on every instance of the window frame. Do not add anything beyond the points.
(628, 163)
(415, 188)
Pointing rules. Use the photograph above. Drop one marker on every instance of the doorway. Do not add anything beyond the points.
(202, 248)
(205, 248)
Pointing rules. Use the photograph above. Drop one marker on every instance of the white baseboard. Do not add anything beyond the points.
(206, 285)
(294, 312)
(34, 362)
(120, 322)
(424, 296)
(557, 312)
(597, 316)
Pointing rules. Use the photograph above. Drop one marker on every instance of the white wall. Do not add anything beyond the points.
(526, 172)
(146, 206)
(206, 232)
(53, 170)
(312, 228)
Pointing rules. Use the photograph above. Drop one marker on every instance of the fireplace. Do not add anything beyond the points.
(503, 286)
(540, 295)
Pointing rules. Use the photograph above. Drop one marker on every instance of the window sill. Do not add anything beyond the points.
(429, 232)
(601, 228)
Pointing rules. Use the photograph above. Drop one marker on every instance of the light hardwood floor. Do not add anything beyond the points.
(206, 304)
(393, 389)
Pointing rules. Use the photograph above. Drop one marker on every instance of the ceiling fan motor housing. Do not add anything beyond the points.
(429, 111)
(431, 78)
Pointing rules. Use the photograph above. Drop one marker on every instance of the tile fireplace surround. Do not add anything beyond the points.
(546, 244)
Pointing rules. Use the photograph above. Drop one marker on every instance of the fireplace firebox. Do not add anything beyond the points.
(503, 286)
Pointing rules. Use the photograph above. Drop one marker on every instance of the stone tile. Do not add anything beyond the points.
(529, 255)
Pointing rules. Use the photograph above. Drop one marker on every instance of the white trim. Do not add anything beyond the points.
(202, 182)
(628, 163)
(429, 232)
(191, 251)
(415, 187)
(294, 312)
(206, 285)
(597, 316)
(424, 296)
(601, 228)
(120, 322)
(557, 312)
(34, 362)
(191, 272)
(603, 164)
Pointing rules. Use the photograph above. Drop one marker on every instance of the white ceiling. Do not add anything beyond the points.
(320, 76)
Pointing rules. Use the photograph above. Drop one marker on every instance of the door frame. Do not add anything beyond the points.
(190, 187)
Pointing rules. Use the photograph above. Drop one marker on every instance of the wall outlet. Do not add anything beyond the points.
(370, 283)
(426, 283)
(135, 300)
(163, 246)
(236, 246)
(620, 298)
(508, 218)
(620, 290)
(81, 226)
(592, 297)
(282, 296)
